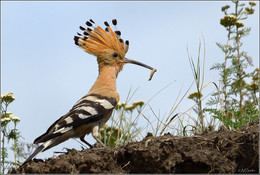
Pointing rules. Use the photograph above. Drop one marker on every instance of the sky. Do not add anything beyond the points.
(48, 73)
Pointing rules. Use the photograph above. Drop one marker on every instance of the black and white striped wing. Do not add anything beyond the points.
(88, 109)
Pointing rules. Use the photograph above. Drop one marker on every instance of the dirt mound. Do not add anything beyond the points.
(214, 152)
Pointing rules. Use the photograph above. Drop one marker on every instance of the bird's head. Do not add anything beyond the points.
(107, 45)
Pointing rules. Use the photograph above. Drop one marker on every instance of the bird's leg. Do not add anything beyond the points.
(84, 141)
(95, 135)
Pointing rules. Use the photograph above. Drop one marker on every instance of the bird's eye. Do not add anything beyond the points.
(115, 55)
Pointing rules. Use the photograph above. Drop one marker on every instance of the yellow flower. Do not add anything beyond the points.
(225, 8)
(252, 3)
(195, 95)
(250, 10)
(228, 20)
(138, 103)
(253, 85)
(130, 108)
(120, 105)
(255, 77)
(239, 24)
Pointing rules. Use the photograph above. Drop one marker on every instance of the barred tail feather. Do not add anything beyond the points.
(41, 148)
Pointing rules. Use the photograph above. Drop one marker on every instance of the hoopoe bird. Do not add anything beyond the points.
(94, 109)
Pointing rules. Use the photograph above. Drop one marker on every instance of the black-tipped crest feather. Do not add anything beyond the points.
(114, 21)
(81, 28)
(92, 21)
(106, 23)
(88, 24)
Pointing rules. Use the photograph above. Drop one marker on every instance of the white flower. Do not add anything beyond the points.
(8, 113)
(6, 119)
(14, 118)
(8, 97)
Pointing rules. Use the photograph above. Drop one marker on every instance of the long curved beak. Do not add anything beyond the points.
(126, 60)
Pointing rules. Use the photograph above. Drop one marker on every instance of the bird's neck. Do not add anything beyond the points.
(106, 81)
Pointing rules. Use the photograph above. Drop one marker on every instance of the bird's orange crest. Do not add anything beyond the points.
(97, 41)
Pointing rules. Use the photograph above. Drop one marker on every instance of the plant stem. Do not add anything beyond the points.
(15, 147)
(225, 75)
(3, 154)
(200, 112)
(239, 73)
